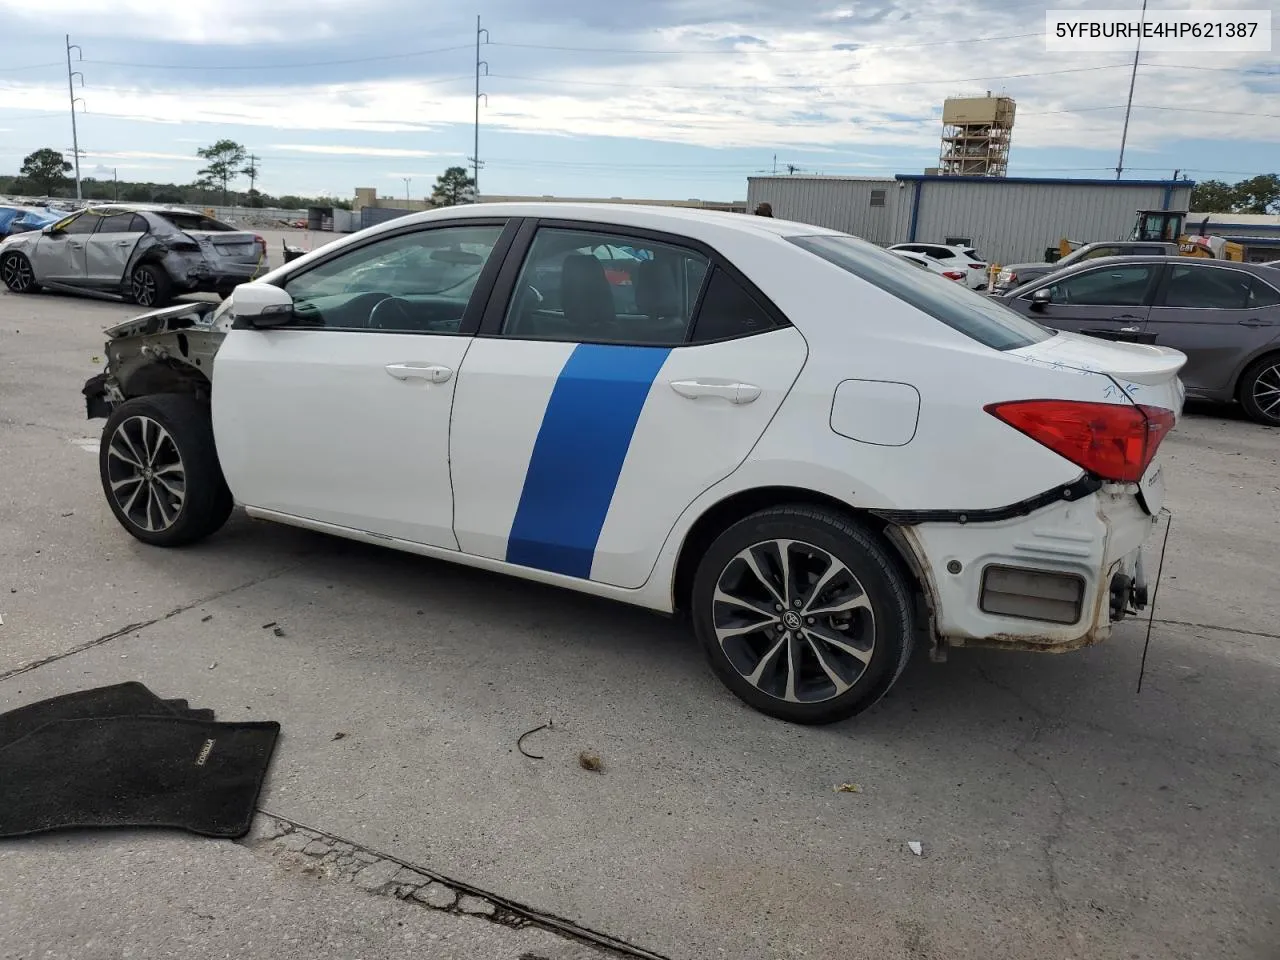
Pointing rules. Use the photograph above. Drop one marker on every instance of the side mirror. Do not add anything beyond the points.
(260, 305)
(1041, 299)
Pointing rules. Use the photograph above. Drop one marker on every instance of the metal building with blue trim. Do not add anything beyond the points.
(1008, 219)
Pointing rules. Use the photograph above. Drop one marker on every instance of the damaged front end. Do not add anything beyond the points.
(164, 351)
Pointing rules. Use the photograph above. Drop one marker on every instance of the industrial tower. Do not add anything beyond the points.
(975, 136)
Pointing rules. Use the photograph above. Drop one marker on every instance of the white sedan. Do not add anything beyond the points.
(958, 258)
(806, 444)
(934, 266)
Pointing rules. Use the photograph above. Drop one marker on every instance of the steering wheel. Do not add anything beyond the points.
(392, 313)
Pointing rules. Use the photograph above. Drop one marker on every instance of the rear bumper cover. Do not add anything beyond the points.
(1090, 540)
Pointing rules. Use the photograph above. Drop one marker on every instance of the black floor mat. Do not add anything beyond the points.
(130, 699)
(142, 771)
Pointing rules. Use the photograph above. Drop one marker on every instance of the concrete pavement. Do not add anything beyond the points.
(1059, 814)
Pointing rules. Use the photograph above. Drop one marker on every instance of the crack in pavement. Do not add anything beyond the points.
(143, 624)
(1214, 626)
(531, 914)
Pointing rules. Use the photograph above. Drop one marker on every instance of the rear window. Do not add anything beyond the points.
(193, 221)
(976, 316)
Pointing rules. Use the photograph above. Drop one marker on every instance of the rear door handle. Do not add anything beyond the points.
(1256, 322)
(123, 243)
(729, 390)
(419, 371)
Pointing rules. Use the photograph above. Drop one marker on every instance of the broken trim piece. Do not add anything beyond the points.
(1080, 488)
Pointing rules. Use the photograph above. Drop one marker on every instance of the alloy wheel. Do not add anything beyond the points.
(16, 273)
(143, 288)
(1266, 391)
(146, 474)
(794, 621)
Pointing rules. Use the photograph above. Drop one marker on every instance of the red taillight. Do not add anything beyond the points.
(262, 243)
(953, 274)
(1112, 440)
(977, 266)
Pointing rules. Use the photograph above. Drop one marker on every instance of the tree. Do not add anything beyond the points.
(453, 187)
(1213, 196)
(225, 159)
(1258, 194)
(47, 168)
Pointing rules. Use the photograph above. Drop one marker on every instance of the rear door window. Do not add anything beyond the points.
(193, 221)
(977, 317)
(123, 223)
(1207, 288)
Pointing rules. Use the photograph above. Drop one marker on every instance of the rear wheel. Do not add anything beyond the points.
(160, 470)
(15, 270)
(150, 286)
(1260, 391)
(803, 614)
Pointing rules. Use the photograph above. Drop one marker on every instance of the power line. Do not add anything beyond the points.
(831, 48)
(807, 86)
(278, 66)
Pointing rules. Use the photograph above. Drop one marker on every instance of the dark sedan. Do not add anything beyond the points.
(1224, 316)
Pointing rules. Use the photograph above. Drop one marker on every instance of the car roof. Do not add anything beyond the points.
(1206, 263)
(677, 219)
(140, 208)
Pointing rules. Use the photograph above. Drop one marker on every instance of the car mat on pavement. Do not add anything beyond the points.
(120, 699)
(148, 771)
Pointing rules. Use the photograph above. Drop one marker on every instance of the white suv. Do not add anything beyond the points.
(953, 258)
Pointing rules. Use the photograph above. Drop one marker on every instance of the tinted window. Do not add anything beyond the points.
(85, 223)
(1120, 286)
(976, 316)
(1146, 251)
(1262, 294)
(727, 310)
(1207, 288)
(123, 223)
(586, 286)
(411, 283)
(1101, 252)
(939, 253)
(193, 221)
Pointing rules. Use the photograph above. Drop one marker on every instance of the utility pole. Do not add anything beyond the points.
(407, 181)
(115, 185)
(775, 164)
(1133, 77)
(252, 171)
(475, 147)
(71, 90)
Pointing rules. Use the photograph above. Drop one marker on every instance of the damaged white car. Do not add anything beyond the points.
(814, 449)
(145, 254)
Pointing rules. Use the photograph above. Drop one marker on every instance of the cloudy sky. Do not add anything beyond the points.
(653, 98)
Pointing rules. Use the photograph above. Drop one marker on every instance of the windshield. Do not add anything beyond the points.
(973, 314)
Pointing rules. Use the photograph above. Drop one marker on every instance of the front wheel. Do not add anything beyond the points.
(149, 286)
(160, 470)
(803, 614)
(1260, 391)
(15, 270)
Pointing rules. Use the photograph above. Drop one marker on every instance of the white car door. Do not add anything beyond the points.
(342, 415)
(604, 396)
(59, 256)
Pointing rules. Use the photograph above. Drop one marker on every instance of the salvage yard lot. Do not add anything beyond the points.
(1059, 814)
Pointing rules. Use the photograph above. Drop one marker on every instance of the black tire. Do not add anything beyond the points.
(18, 276)
(1256, 383)
(133, 447)
(869, 565)
(150, 286)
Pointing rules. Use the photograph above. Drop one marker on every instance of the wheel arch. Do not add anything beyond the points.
(723, 514)
(1270, 352)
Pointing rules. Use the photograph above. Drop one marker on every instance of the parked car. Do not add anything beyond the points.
(142, 253)
(1015, 274)
(1224, 316)
(933, 266)
(16, 219)
(954, 258)
(790, 434)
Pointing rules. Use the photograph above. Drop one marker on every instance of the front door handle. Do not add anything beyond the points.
(1256, 322)
(123, 243)
(419, 371)
(729, 390)
(1129, 329)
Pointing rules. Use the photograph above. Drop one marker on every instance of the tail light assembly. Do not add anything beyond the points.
(977, 266)
(1113, 441)
(954, 274)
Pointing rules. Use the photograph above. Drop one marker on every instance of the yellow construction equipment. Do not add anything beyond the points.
(1167, 226)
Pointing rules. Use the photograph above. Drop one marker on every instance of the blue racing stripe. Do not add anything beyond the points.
(577, 458)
